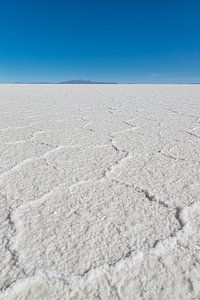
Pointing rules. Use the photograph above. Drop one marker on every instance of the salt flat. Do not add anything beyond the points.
(99, 189)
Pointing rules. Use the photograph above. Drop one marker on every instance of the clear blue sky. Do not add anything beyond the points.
(124, 41)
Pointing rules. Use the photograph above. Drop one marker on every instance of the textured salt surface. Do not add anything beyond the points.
(99, 190)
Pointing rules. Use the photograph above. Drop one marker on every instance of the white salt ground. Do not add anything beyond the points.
(99, 190)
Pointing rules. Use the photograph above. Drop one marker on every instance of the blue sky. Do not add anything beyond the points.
(124, 41)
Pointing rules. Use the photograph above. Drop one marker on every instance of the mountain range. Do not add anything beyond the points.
(73, 81)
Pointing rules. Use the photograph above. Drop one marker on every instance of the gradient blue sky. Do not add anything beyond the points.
(124, 41)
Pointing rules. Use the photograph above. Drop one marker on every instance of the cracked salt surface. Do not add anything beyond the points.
(99, 192)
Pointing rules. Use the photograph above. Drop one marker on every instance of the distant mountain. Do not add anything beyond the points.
(41, 82)
(74, 81)
(80, 81)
